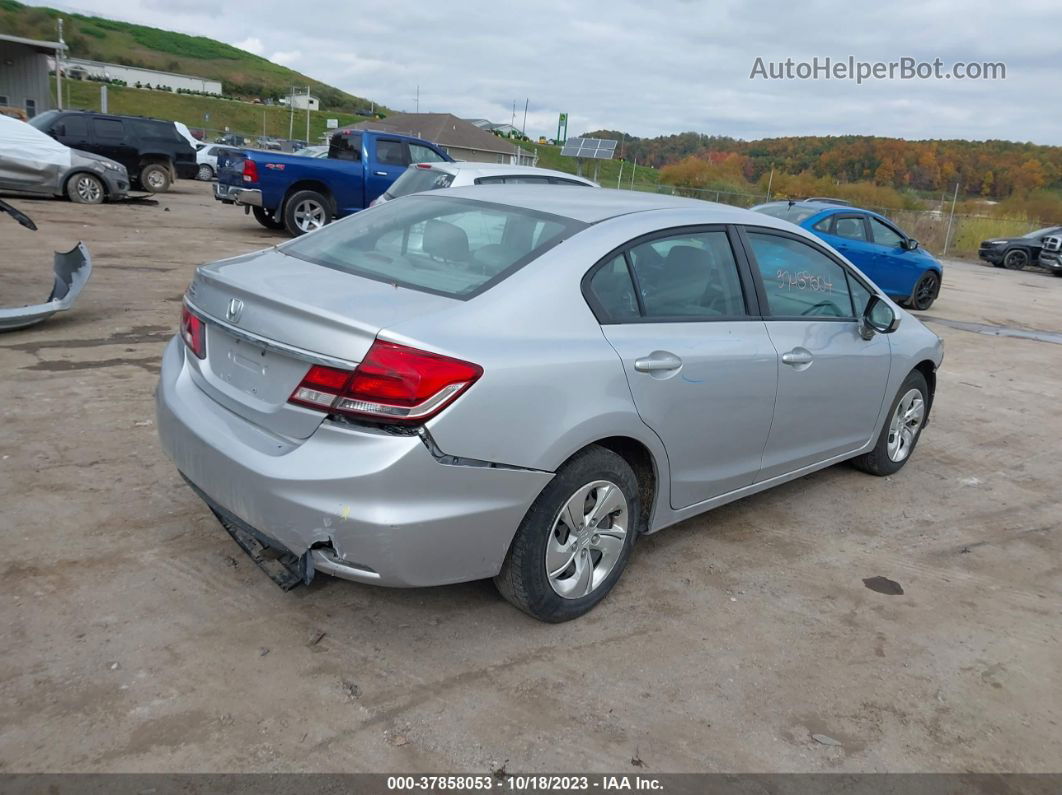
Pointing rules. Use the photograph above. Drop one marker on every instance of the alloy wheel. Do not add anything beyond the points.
(905, 425)
(925, 291)
(587, 539)
(88, 189)
(309, 215)
(206, 173)
(1016, 260)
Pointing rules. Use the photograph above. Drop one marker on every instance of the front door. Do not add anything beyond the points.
(831, 381)
(701, 368)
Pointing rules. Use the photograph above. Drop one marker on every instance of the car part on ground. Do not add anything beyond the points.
(32, 162)
(71, 272)
(513, 381)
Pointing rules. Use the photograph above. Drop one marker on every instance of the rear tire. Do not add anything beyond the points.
(1015, 259)
(265, 218)
(155, 178)
(899, 434)
(205, 172)
(85, 189)
(306, 211)
(597, 491)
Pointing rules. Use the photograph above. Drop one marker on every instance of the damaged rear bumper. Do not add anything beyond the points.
(357, 503)
(72, 270)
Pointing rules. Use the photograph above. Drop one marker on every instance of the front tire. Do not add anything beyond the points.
(155, 178)
(1015, 259)
(925, 291)
(262, 216)
(575, 540)
(902, 429)
(305, 212)
(85, 189)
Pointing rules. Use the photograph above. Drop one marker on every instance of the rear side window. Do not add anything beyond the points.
(424, 154)
(612, 292)
(75, 126)
(417, 180)
(688, 276)
(800, 281)
(391, 153)
(345, 147)
(851, 227)
(562, 181)
(453, 247)
(108, 128)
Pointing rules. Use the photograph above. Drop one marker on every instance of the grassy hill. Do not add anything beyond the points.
(213, 115)
(241, 73)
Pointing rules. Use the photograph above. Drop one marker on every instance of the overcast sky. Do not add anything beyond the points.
(660, 67)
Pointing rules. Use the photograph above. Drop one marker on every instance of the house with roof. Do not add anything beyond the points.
(461, 139)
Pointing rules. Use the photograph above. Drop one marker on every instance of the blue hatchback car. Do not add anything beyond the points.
(893, 261)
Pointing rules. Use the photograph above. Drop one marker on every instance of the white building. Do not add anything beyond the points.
(304, 102)
(76, 68)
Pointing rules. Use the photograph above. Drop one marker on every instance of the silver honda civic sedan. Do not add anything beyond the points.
(517, 381)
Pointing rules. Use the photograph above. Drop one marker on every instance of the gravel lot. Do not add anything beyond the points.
(137, 636)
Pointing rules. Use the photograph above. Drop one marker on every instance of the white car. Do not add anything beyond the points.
(206, 157)
(433, 176)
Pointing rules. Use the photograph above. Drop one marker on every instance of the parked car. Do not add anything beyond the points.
(231, 139)
(301, 194)
(152, 151)
(514, 382)
(1014, 253)
(32, 162)
(206, 157)
(432, 176)
(1051, 254)
(894, 261)
(265, 142)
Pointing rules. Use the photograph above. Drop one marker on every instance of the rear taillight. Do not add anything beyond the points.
(393, 383)
(250, 171)
(193, 331)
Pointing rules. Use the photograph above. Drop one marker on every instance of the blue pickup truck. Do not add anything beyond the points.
(301, 194)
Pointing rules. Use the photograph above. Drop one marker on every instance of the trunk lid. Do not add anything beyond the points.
(270, 317)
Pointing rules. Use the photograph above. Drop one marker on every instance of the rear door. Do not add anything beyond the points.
(831, 381)
(109, 138)
(679, 311)
(388, 158)
(346, 157)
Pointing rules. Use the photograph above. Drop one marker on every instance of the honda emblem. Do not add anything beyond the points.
(235, 310)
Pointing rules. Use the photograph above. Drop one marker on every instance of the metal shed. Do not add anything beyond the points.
(24, 82)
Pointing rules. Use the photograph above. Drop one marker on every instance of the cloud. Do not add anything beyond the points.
(285, 58)
(658, 68)
(252, 45)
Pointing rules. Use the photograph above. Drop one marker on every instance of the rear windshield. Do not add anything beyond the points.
(793, 213)
(417, 180)
(453, 247)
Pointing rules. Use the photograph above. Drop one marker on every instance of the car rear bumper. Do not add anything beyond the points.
(1052, 260)
(231, 194)
(376, 507)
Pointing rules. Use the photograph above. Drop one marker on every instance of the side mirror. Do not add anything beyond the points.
(878, 318)
(909, 244)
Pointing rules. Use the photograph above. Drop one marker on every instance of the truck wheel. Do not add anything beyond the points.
(306, 211)
(155, 178)
(265, 218)
(85, 189)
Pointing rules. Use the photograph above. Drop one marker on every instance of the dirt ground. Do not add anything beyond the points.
(136, 636)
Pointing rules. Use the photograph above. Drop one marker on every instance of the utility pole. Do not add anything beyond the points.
(513, 122)
(291, 114)
(634, 169)
(947, 235)
(770, 181)
(307, 115)
(619, 179)
(59, 66)
(524, 128)
(418, 98)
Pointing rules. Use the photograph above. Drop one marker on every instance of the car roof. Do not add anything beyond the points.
(499, 168)
(592, 206)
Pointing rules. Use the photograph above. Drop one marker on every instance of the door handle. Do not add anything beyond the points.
(657, 362)
(380, 173)
(797, 357)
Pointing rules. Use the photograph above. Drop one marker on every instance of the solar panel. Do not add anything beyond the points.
(592, 148)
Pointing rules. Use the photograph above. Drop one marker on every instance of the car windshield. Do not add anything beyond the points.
(448, 246)
(793, 213)
(1047, 230)
(418, 180)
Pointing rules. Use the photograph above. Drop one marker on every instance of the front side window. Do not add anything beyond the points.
(885, 235)
(800, 281)
(391, 153)
(851, 227)
(419, 153)
(688, 276)
(453, 247)
(108, 128)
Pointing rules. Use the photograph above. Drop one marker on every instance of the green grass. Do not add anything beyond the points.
(241, 73)
(240, 117)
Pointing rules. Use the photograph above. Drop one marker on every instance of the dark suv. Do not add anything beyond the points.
(152, 150)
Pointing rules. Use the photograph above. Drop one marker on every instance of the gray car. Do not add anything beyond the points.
(515, 382)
